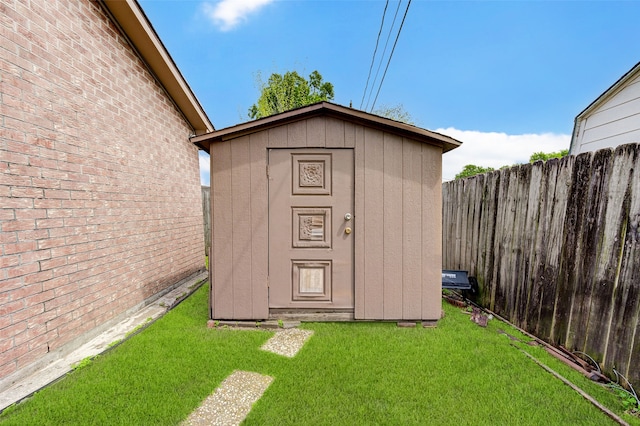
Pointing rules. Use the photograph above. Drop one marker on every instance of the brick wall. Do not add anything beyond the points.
(100, 204)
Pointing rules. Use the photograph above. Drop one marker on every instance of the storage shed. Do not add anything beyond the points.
(326, 210)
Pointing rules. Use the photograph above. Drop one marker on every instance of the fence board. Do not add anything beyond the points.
(571, 256)
(206, 217)
(555, 247)
(491, 198)
(608, 258)
(533, 231)
(519, 246)
(627, 295)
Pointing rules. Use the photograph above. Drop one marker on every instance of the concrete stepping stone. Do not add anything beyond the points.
(230, 403)
(287, 342)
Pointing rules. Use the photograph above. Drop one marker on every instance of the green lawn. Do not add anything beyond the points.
(346, 374)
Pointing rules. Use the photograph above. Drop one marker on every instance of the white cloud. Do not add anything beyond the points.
(491, 149)
(205, 168)
(227, 14)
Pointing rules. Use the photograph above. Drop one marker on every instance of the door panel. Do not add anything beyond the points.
(310, 238)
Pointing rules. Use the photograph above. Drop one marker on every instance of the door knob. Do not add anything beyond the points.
(347, 216)
(347, 231)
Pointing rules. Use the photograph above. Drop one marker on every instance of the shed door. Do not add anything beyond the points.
(310, 228)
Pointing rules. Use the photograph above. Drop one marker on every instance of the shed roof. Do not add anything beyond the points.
(332, 110)
(134, 23)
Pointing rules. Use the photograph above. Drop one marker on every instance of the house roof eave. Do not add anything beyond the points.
(138, 29)
(611, 91)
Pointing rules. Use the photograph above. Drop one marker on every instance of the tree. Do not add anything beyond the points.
(395, 112)
(289, 91)
(537, 156)
(472, 170)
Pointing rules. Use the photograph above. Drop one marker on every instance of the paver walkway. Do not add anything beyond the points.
(231, 402)
(287, 342)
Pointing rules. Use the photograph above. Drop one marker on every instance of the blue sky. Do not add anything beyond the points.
(506, 78)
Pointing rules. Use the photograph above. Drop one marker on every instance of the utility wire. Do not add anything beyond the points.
(374, 53)
(395, 16)
(391, 55)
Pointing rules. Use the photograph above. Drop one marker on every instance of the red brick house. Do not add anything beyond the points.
(100, 202)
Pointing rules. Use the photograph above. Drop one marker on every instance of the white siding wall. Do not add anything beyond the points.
(613, 123)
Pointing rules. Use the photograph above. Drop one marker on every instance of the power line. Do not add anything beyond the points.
(395, 16)
(374, 53)
(391, 55)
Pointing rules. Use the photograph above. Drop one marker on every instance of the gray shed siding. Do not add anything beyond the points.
(397, 219)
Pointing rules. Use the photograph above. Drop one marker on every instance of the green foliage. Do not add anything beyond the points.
(628, 395)
(289, 91)
(629, 402)
(133, 331)
(472, 170)
(395, 112)
(115, 343)
(81, 364)
(542, 156)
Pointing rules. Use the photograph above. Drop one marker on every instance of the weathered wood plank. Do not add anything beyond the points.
(587, 285)
(446, 224)
(609, 255)
(462, 223)
(520, 247)
(504, 230)
(555, 239)
(623, 350)
(543, 175)
(476, 248)
(206, 216)
(490, 201)
(616, 225)
(571, 251)
(533, 228)
(456, 243)
(467, 242)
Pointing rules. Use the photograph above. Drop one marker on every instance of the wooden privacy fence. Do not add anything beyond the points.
(206, 213)
(556, 249)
